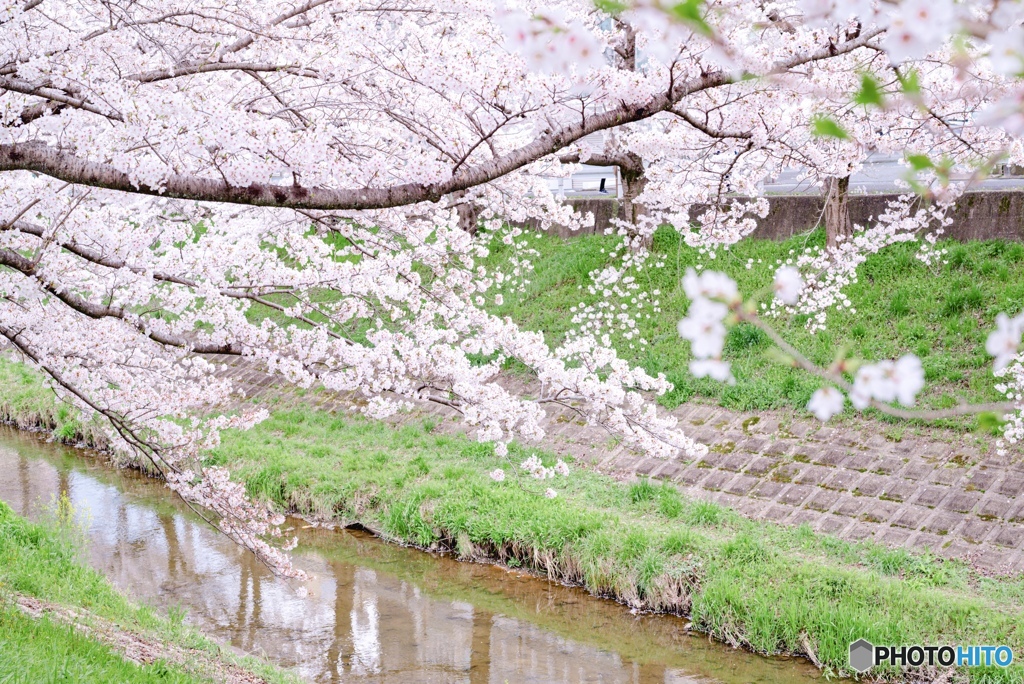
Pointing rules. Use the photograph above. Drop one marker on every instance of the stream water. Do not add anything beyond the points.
(374, 612)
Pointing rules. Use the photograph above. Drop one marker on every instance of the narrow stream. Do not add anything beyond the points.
(374, 612)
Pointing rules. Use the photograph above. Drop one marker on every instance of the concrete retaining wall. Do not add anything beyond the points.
(982, 215)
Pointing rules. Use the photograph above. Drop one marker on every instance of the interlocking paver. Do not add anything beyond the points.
(761, 465)
(981, 479)
(899, 490)
(879, 511)
(995, 506)
(975, 530)
(813, 475)
(887, 465)
(893, 536)
(830, 457)
(822, 500)
(735, 462)
(859, 461)
(741, 485)
(871, 485)
(768, 489)
(947, 476)
(795, 494)
(850, 505)
(1009, 535)
(843, 480)
(911, 517)
(1012, 485)
(833, 524)
(931, 495)
(942, 522)
(916, 471)
(777, 512)
(717, 480)
(961, 502)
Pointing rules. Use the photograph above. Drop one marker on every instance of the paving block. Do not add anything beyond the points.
(1009, 535)
(931, 495)
(942, 522)
(911, 517)
(871, 485)
(717, 480)
(768, 489)
(822, 500)
(899, 490)
(916, 470)
(850, 505)
(879, 511)
(795, 494)
(833, 524)
(975, 531)
(961, 502)
(995, 506)
(981, 479)
(761, 465)
(813, 475)
(1012, 485)
(741, 485)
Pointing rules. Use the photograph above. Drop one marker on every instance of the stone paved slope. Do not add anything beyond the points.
(941, 491)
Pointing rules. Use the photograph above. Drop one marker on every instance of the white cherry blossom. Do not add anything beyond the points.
(714, 369)
(826, 402)
(1004, 341)
(788, 285)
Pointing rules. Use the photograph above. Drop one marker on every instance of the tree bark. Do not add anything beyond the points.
(469, 214)
(633, 184)
(838, 226)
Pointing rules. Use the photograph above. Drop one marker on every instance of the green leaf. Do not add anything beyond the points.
(920, 162)
(691, 13)
(990, 422)
(911, 83)
(870, 92)
(826, 127)
(609, 6)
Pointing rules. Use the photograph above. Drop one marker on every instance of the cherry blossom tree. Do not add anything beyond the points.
(290, 183)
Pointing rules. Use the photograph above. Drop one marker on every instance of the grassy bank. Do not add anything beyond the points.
(770, 588)
(62, 621)
(943, 314)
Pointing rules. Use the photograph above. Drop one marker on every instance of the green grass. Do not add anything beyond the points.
(43, 561)
(942, 315)
(34, 651)
(746, 582)
(26, 403)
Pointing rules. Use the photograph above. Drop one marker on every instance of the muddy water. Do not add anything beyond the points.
(374, 612)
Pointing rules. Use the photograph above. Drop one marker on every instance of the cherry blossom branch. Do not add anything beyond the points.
(835, 377)
(64, 165)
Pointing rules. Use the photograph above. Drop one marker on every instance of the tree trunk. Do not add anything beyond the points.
(469, 215)
(632, 185)
(838, 226)
(634, 181)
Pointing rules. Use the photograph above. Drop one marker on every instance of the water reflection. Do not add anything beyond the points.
(374, 613)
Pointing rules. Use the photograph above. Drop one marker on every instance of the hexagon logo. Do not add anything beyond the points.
(862, 655)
